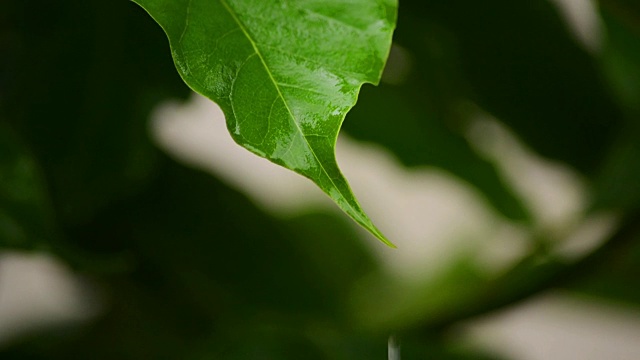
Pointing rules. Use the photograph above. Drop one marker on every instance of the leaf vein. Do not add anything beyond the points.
(339, 72)
(186, 22)
(302, 88)
(226, 34)
(233, 84)
(333, 20)
(257, 51)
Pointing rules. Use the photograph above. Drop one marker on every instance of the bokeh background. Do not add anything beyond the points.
(501, 154)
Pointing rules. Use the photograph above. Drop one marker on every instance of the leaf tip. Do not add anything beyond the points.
(378, 234)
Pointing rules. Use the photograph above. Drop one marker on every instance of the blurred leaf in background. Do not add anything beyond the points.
(188, 268)
(25, 217)
(618, 182)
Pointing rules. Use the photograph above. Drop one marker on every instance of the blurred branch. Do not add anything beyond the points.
(533, 275)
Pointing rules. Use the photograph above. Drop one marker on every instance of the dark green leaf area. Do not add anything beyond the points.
(189, 224)
(210, 275)
(618, 183)
(80, 84)
(25, 216)
(626, 11)
(616, 278)
(284, 73)
(521, 64)
(620, 56)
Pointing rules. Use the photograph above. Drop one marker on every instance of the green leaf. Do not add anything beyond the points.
(284, 73)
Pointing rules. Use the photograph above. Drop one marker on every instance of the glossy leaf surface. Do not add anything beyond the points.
(284, 73)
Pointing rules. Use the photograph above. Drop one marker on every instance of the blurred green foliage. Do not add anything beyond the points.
(191, 269)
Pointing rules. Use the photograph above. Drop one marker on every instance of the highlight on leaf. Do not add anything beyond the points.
(285, 73)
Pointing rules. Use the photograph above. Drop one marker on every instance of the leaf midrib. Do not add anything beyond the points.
(284, 101)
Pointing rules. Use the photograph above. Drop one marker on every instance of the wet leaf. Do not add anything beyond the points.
(284, 73)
